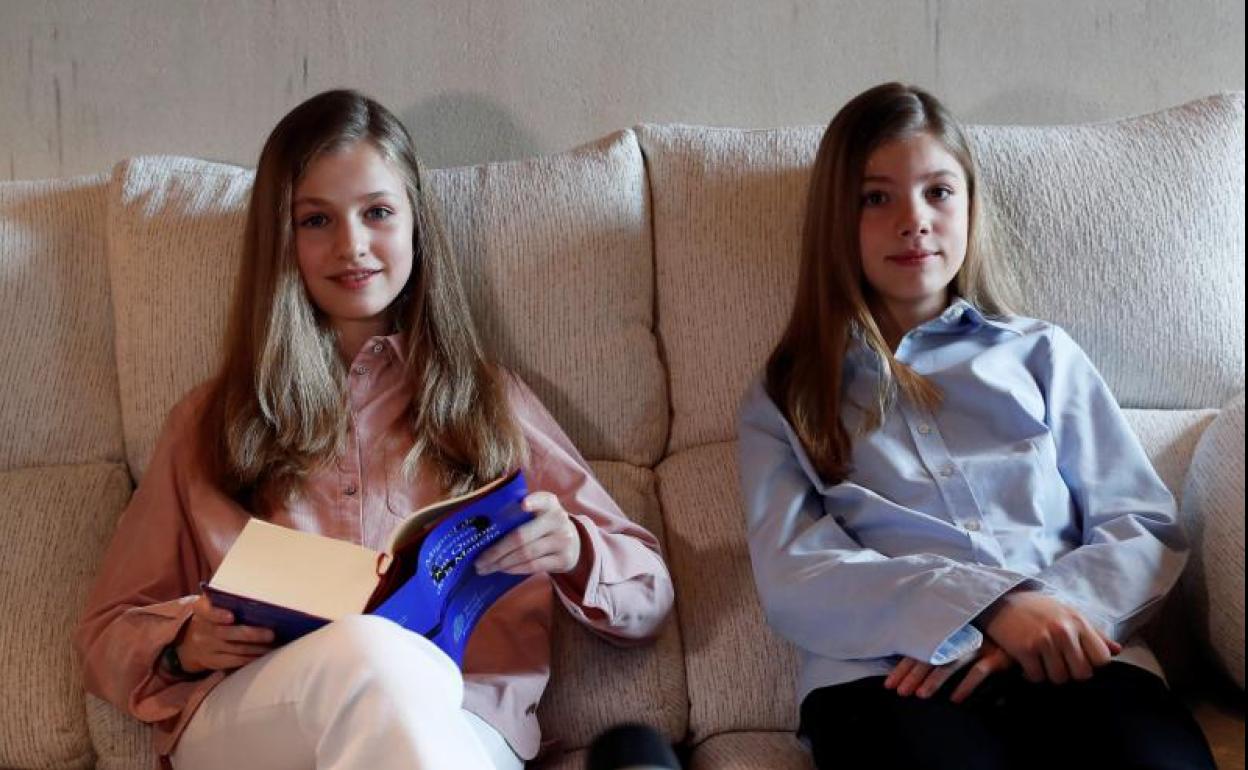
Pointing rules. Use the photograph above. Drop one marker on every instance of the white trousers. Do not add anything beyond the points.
(359, 693)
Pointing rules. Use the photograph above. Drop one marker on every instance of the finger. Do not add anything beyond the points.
(553, 563)
(539, 503)
(1076, 659)
(521, 537)
(247, 634)
(1094, 649)
(935, 680)
(977, 673)
(204, 610)
(899, 672)
(243, 649)
(227, 661)
(913, 679)
(1111, 643)
(1033, 669)
(1054, 663)
(560, 541)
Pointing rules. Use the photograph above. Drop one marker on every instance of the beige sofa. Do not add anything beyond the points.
(636, 283)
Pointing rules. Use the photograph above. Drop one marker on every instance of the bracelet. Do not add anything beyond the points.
(173, 664)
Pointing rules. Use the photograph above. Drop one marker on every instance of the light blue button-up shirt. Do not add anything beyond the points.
(1026, 475)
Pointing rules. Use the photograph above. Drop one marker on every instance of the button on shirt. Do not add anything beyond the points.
(1025, 476)
(178, 527)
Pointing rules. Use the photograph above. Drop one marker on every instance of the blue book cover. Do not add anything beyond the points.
(295, 582)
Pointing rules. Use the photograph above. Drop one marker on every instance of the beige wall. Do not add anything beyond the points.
(83, 84)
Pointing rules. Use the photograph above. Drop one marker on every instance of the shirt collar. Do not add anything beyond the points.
(392, 346)
(962, 316)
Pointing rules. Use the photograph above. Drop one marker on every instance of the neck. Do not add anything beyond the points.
(905, 317)
(353, 334)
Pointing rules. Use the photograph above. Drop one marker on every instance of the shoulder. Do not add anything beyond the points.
(522, 402)
(1021, 325)
(757, 410)
(536, 424)
(181, 429)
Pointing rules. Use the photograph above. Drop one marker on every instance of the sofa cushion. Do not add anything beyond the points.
(57, 522)
(1159, 303)
(58, 389)
(1213, 508)
(595, 685)
(741, 675)
(121, 742)
(558, 270)
(560, 273)
(1169, 437)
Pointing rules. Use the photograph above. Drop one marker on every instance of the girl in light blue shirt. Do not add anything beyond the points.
(947, 512)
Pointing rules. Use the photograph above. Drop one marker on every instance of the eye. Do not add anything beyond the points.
(379, 213)
(940, 193)
(874, 198)
(314, 220)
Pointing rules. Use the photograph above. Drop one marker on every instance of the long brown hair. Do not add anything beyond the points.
(835, 303)
(277, 408)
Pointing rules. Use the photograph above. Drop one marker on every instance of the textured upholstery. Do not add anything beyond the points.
(121, 742)
(741, 675)
(1170, 437)
(1075, 204)
(1214, 512)
(559, 272)
(636, 684)
(752, 751)
(58, 387)
(175, 230)
(55, 523)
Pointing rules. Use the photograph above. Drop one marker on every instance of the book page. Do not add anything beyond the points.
(310, 573)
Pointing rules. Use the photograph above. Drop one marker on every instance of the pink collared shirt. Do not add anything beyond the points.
(178, 527)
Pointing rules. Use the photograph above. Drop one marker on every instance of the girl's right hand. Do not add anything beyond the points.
(210, 641)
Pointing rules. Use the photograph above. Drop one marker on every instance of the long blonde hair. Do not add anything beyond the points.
(276, 411)
(834, 303)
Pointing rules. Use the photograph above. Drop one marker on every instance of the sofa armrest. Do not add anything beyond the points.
(1213, 512)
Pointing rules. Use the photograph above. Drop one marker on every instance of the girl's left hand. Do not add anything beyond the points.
(548, 543)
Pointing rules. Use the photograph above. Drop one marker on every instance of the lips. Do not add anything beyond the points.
(912, 257)
(353, 279)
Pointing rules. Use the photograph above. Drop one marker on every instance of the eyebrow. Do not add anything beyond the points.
(312, 199)
(943, 172)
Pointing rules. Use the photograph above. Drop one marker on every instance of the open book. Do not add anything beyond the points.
(295, 582)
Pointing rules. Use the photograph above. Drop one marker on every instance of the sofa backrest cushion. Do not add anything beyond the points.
(557, 263)
(1213, 510)
(55, 523)
(58, 387)
(1128, 233)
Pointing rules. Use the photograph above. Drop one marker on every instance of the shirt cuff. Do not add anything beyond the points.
(959, 644)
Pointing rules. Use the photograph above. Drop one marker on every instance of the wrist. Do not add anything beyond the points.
(171, 663)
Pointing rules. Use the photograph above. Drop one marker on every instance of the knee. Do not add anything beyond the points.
(373, 652)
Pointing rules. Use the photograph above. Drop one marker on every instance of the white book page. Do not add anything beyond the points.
(310, 573)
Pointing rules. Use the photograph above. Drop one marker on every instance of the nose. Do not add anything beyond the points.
(349, 241)
(913, 221)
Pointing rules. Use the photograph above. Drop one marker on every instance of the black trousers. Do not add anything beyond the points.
(1123, 718)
